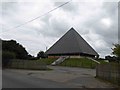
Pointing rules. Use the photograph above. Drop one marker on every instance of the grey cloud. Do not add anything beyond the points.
(8, 8)
(59, 26)
(46, 18)
(119, 22)
(53, 28)
(109, 35)
(71, 7)
(82, 30)
(9, 14)
(111, 8)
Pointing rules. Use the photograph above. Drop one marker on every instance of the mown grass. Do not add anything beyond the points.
(47, 61)
(79, 62)
(74, 62)
(102, 61)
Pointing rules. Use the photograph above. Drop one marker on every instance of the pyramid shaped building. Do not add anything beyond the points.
(71, 44)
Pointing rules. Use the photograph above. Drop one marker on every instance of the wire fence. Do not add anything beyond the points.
(109, 72)
(27, 64)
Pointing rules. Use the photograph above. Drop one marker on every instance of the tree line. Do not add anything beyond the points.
(15, 49)
(115, 52)
(11, 49)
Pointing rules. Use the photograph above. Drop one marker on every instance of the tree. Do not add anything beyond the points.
(111, 58)
(41, 54)
(18, 49)
(116, 50)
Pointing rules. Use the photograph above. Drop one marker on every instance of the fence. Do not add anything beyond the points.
(109, 72)
(26, 64)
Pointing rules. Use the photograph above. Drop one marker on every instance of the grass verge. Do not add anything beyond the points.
(79, 62)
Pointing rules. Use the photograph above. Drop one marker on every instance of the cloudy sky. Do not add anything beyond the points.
(96, 22)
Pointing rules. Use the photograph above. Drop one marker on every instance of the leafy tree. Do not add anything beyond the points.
(13, 46)
(111, 58)
(41, 54)
(116, 50)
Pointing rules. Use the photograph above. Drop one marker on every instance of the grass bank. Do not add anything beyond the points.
(47, 61)
(74, 62)
(79, 62)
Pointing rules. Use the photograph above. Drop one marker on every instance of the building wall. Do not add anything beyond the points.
(53, 56)
(73, 56)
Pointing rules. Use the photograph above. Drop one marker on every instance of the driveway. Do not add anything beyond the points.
(77, 77)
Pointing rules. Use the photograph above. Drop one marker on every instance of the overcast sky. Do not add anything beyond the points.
(96, 22)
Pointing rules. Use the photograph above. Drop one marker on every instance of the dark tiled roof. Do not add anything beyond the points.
(71, 42)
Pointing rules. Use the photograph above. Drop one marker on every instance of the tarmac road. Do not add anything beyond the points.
(59, 77)
(16, 80)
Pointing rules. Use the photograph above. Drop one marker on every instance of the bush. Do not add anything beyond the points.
(6, 57)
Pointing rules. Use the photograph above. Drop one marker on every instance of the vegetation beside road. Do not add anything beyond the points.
(74, 62)
(47, 61)
(41, 64)
(79, 62)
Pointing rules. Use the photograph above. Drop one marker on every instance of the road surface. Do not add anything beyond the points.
(59, 77)
(16, 80)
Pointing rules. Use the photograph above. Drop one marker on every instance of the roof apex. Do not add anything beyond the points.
(72, 28)
(71, 42)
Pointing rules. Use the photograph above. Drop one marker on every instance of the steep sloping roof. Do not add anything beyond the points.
(71, 42)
